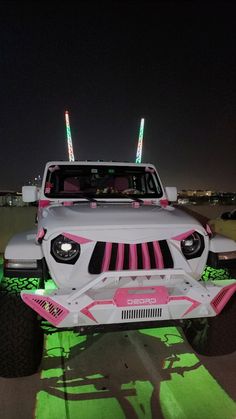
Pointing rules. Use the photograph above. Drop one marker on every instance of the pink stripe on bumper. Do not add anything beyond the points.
(222, 298)
(46, 307)
(194, 305)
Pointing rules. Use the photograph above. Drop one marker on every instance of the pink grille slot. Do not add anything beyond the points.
(133, 261)
(158, 256)
(46, 307)
(120, 256)
(223, 297)
(106, 257)
(146, 257)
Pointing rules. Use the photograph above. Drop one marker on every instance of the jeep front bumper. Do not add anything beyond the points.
(153, 295)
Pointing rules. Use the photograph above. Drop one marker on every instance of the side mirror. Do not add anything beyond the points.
(29, 193)
(171, 193)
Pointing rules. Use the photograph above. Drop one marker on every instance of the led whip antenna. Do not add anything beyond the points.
(69, 139)
(140, 142)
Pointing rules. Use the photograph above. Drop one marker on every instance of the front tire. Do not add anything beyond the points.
(214, 336)
(21, 337)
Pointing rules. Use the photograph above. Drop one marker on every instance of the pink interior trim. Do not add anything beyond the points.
(120, 256)
(183, 236)
(133, 261)
(158, 255)
(43, 203)
(77, 239)
(46, 307)
(141, 296)
(194, 305)
(222, 298)
(146, 257)
(106, 257)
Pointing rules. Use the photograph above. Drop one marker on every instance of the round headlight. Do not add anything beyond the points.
(192, 246)
(65, 250)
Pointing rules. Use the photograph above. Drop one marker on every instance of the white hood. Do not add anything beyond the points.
(120, 217)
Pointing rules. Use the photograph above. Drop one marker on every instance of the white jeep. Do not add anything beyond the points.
(120, 255)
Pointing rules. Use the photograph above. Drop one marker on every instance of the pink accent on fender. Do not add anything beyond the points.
(194, 305)
(86, 309)
(133, 261)
(146, 257)
(208, 230)
(106, 257)
(93, 204)
(40, 234)
(158, 256)
(120, 256)
(183, 235)
(222, 298)
(43, 203)
(46, 307)
(135, 204)
(77, 239)
(125, 297)
(164, 203)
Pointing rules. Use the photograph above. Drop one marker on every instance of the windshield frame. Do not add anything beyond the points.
(144, 175)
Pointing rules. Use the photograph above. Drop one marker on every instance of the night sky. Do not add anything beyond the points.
(109, 64)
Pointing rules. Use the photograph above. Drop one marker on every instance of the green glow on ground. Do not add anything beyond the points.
(187, 390)
(168, 335)
(83, 409)
(141, 402)
(194, 394)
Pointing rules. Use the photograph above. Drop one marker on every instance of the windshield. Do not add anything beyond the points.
(98, 182)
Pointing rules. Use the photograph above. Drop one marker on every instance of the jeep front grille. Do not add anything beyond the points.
(123, 256)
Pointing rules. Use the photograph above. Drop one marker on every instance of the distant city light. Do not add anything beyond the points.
(69, 138)
(140, 142)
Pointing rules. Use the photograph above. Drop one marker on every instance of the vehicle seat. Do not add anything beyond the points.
(121, 183)
(71, 185)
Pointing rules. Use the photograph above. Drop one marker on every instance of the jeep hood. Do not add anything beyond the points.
(144, 220)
